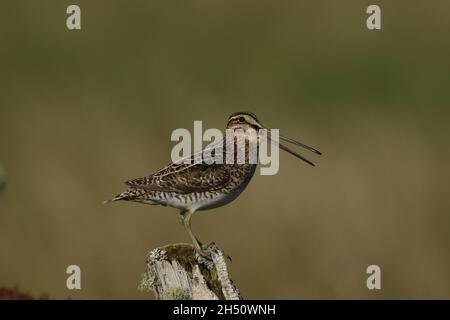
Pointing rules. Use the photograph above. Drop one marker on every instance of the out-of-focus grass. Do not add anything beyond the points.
(82, 111)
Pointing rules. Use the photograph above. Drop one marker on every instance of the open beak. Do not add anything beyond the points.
(294, 142)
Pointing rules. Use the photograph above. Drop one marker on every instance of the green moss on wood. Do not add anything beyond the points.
(176, 294)
(147, 282)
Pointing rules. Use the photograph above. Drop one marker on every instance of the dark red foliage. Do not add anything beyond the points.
(15, 294)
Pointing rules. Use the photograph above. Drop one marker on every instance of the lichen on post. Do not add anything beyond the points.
(176, 272)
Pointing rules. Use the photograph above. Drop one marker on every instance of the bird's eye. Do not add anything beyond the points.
(241, 119)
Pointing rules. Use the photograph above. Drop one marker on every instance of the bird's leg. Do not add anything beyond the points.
(181, 217)
(197, 244)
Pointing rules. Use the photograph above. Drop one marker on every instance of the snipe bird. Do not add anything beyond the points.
(196, 185)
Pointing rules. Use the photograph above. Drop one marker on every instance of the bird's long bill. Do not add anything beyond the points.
(294, 142)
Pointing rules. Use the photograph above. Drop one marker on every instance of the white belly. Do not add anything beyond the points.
(203, 203)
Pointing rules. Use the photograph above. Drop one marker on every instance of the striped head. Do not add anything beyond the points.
(244, 121)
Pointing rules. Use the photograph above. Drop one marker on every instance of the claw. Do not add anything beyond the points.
(204, 254)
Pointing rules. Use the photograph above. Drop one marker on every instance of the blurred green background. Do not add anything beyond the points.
(82, 111)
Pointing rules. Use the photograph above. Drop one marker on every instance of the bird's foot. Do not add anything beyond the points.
(203, 251)
(205, 258)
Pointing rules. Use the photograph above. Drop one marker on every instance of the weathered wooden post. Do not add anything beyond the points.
(176, 272)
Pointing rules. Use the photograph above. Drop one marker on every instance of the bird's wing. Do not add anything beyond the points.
(185, 178)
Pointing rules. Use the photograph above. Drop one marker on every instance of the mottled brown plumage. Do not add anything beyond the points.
(195, 185)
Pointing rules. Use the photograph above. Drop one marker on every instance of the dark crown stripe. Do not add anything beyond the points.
(243, 113)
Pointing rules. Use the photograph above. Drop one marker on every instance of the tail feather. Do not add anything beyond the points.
(122, 196)
(132, 195)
